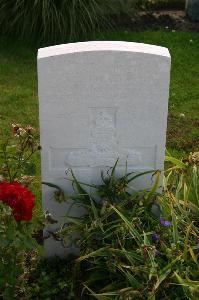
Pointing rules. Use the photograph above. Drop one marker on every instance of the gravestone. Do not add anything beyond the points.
(100, 101)
(192, 9)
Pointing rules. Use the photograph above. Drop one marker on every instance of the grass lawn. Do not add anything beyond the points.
(18, 84)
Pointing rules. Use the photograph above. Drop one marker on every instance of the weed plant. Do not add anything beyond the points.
(140, 245)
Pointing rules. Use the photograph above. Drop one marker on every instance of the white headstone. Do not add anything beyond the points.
(100, 101)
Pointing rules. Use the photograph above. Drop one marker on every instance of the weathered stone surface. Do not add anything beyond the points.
(100, 101)
(192, 9)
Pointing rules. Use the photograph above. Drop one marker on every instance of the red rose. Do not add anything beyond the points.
(19, 198)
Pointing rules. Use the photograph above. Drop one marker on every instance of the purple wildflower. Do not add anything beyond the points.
(165, 222)
(154, 237)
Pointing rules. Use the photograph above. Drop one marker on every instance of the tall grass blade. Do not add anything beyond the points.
(131, 227)
(176, 162)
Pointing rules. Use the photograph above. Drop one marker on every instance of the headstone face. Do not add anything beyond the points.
(100, 101)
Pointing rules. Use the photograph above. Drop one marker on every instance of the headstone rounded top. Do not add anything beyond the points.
(102, 46)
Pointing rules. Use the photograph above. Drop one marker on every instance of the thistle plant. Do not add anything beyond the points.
(16, 153)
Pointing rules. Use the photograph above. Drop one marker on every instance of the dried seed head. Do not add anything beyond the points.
(16, 129)
(29, 129)
(193, 158)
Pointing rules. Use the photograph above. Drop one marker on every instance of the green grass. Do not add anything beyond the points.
(18, 83)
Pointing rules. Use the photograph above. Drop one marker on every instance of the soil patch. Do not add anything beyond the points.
(168, 19)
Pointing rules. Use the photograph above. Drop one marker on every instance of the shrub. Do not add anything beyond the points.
(142, 245)
(52, 20)
(16, 207)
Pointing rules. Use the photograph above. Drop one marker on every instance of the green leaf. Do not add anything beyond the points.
(193, 255)
(154, 187)
(129, 255)
(190, 287)
(140, 174)
(163, 274)
(131, 227)
(187, 282)
(135, 284)
(52, 185)
(113, 169)
(102, 296)
(80, 190)
(100, 252)
(176, 162)
(186, 241)
(94, 209)
(175, 227)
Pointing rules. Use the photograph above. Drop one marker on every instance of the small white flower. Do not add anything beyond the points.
(166, 27)
(182, 115)
(173, 30)
(191, 41)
